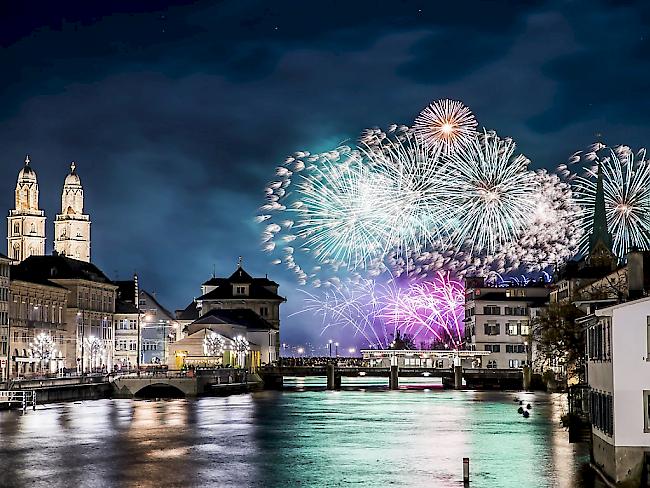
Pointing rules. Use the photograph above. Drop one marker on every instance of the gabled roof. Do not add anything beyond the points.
(238, 316)
(4, 258)
(151, 297)
(188, 313)
(255, 292)
(60, 267)
(125, 307)
(240, 276)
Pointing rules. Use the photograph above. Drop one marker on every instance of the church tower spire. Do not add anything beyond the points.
(26, 222)
(600, 241)
(72, 226)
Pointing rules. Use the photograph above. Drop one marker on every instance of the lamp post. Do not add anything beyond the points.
(337, 348)
(80, 318)
(329, 345)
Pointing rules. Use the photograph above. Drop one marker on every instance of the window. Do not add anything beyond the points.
(601, 411)
(491, 310)
(515, 348)
(646, 410)
(492, 328)
(599, 341)
(511, 328)
(492, 364)
(493, 347)
(240, 290)
(525, 329)
(264, 311)
(648, 339)
(513, 363)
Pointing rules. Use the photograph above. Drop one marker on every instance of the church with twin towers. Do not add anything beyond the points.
(26, 231)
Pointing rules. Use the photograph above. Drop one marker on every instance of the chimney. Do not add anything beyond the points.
(635, 274)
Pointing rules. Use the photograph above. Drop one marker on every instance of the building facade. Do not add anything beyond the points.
(26, 222)
(90, 306)
(127, 325)
(72, 226)
(158, 329)
(5, 294)
(618, 376)
(497, 320)
(241, 291)
(37, 308)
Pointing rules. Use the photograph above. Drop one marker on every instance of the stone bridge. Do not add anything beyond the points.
(505, 379)
(179, 384)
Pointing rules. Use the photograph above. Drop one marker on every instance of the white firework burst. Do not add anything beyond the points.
(489, 194)
(626, 185)
(447, 124)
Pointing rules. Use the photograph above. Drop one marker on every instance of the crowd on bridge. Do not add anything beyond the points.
(321, 361)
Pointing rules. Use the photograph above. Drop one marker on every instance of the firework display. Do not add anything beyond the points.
(374, 310)
(447, 124)
(488, 193)
(626, 185)
(431, 203)
(432, 309)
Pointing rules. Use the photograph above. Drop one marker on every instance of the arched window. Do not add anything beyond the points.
(16, 228)
(16, 252)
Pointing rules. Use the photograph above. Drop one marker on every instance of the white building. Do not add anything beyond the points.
(26, 222)
(239, 292)
(72, 226)
(497, 320)
(618, 374)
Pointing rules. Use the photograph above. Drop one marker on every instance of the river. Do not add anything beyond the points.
(364, 438)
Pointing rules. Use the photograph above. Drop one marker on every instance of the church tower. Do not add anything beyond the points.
(72, 227)
(600, 240)
(26, 223)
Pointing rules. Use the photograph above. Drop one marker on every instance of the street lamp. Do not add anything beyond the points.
(301, 350)
(337, 349)
(329, 345)
(351, 351)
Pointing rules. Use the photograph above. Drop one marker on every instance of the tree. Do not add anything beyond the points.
(402, 341)
(560, 340)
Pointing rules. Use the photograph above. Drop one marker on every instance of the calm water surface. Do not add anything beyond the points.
(294, 438)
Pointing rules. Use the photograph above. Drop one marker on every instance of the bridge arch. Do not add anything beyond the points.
(159, 390)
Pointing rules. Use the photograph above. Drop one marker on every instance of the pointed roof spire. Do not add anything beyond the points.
(240, 261)
(600, 237)
(73, 167)
(27, 160)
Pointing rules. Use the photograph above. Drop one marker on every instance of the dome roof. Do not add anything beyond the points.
(72, 179)
(27, 174)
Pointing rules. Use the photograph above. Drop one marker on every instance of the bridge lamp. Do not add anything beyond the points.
(352, 350)
(301, 350)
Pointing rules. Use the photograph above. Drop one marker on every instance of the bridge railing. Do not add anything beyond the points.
(23, 398)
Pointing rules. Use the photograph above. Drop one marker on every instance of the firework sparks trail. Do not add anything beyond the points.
(430, 308)
(626, 184)
(445, 124)
(394, 204)
(489, 193)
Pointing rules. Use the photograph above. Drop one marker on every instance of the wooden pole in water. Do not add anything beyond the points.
(466, 470)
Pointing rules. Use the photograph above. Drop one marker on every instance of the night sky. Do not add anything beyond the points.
(178, 112)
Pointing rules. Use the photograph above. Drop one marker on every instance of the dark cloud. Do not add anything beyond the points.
(178, 112)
